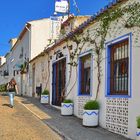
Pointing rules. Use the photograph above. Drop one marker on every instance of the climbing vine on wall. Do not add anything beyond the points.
(128, 15)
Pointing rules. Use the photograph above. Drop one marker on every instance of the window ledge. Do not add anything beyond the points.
(118, 96)
(84, 95)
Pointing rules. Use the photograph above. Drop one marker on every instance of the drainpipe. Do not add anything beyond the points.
(26, 26)
(68, 8)
(29, 55)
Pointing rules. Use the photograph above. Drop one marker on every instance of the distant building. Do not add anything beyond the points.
(2, 60)
(118, 96)
(40, 66)
(33, 39)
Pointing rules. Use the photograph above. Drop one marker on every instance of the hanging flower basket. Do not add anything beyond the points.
(24, 68)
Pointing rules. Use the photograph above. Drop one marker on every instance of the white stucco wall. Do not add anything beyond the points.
(122, 109)
(40, 35)
(126, 112)
(18, 55)
(41, 76)
(34, 40)
(3, 79)
(2, 60)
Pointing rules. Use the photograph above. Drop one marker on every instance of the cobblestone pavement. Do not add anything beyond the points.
(19, 123)
(69, 127)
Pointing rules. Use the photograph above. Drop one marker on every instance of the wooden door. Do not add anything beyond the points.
(58, 85)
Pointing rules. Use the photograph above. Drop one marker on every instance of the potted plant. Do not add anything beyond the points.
(67, 107)
(45, 97)
(138, 129)
(91, 113)
(23, 68)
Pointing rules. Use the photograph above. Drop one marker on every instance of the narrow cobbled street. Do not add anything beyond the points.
(19, 123)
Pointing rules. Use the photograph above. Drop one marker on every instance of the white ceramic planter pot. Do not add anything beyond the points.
(44, 99)
(67, 109)
(138, 134)
(90, 117)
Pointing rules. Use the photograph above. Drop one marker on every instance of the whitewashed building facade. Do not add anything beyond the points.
(33, 39)
(119, 90)
(51, 69)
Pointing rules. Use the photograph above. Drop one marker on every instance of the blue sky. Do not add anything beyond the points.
(15, 13)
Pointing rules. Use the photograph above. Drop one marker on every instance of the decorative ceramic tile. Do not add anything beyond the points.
(117, 115)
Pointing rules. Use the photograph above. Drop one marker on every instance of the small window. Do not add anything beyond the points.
(14, 73)
(119, 68)
(85, 72)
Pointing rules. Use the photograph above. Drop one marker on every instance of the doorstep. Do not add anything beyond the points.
(57, 107)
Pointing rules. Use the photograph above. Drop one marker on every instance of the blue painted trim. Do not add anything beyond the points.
(130, 65)
(67, 106)
(79, 73)
(138, 134)
(84, 94)
(108, 45)
(54, 75)
(85, 53)
(53, 82)
(66, 73)
(44, 96)
(91, 75)
(55, 61)
(118, 96)
(92, 113)
(116, 39)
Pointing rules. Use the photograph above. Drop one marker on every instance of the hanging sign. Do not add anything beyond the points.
(55, 27)
(61, 6)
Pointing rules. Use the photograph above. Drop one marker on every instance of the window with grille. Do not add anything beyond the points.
(85, 74)
(119, 68)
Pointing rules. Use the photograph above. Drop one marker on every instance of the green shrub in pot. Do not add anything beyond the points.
(92, 105)
(138, 129)
(138, 122)
(67, 107)
(67, 101)
(45, 96)
(91, 113)
(45, 92)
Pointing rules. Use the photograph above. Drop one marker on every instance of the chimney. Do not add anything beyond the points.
(12, 42)
(2, 60)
